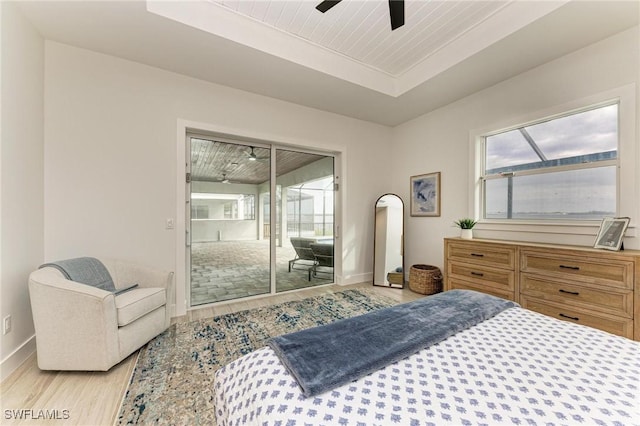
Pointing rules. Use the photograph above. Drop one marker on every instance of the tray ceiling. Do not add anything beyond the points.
(353, 41)
(346, 61)
(360, 30)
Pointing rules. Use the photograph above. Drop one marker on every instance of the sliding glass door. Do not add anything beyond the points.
(237, 247)
(230, 257)
(305, 219)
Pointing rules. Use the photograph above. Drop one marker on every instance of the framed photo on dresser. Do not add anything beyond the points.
(611, 233)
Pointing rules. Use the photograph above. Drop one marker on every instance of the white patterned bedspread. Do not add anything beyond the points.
(517, 368)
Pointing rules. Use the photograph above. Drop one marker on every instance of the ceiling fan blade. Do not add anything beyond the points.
(396, 13)
(326, 5)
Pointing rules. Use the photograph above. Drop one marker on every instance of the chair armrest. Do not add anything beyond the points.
(126, 273)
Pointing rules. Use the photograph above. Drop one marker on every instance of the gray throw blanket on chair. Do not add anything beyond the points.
(323, 358)
(85, 270)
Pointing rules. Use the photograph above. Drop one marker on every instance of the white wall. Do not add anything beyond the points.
(21, 182)
(208, 230)
(111, 169)
(440, 141)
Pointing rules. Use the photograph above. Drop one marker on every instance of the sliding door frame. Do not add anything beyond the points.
(187, 129)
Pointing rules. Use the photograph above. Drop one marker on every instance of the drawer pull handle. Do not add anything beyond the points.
(572, 318)
(573, 268)
(477, 274)
(477, 254)
(575, 293)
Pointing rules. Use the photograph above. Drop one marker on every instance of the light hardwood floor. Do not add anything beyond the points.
(93, 398)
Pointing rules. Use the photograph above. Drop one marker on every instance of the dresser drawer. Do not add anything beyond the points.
(454, 283)
(603, 299)
(482, 254)
(492, 277)
(603, 271)
(611, 324)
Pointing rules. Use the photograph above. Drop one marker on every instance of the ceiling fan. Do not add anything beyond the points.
(224, 179)
(253, 157)
(396, 11)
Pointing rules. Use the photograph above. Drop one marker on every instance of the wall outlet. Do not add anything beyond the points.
(6, 324)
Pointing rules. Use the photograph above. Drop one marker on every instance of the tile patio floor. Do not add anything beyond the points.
(225, 270)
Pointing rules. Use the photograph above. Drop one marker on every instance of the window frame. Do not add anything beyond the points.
(484, 177)
(627, 163)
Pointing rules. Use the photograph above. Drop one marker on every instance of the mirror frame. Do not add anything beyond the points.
(388, 285)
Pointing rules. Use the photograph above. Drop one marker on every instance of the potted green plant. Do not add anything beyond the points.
(466, 227)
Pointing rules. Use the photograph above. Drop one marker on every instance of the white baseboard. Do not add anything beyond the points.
(16, 358)
(356, 278)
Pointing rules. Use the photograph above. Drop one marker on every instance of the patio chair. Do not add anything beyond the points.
(323, 255)
(304, 255)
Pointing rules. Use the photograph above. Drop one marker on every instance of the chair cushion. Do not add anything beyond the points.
(138, 302)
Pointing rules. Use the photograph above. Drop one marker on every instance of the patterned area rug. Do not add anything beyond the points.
(172, 382)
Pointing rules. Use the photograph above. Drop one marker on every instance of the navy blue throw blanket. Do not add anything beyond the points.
(323, 358)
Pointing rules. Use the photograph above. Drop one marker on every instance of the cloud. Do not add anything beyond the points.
(583, 133)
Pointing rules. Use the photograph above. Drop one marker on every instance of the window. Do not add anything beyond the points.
(310, 208)
(230, 210)
(223, 206)
(242, 208)
(249, 202)
(559, 168)
(199, 212)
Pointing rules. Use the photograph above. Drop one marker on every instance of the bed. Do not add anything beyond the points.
(517, 367)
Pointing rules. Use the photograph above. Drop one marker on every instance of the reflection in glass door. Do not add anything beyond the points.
(232, 231)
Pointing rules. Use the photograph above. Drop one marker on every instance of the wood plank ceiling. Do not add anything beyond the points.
(213, 161)
(360, 29)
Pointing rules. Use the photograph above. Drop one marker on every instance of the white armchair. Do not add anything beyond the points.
(80, 327)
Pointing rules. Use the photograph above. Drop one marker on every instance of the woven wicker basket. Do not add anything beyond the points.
(425, 279)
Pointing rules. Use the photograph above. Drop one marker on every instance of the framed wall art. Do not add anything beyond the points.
(611, 233)
(425, 194)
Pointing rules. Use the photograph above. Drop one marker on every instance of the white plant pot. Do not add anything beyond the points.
(466, 234)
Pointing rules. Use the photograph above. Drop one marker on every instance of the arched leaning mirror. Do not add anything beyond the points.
(388, 243)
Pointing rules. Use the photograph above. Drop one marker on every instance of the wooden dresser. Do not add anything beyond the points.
(489, 267)
(593, 287)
